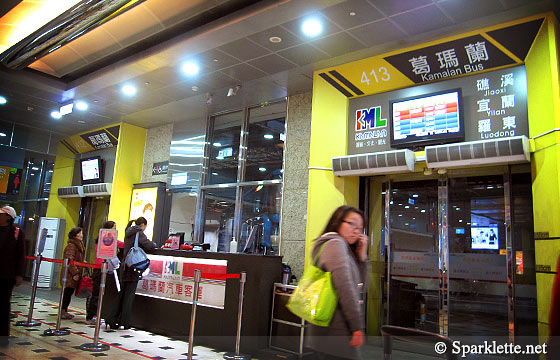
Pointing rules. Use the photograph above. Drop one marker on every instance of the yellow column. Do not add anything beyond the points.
(544, 116)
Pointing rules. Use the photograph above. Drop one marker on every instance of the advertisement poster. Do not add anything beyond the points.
(172, 278)
(107, 244)
(10, 179)
(144, 204)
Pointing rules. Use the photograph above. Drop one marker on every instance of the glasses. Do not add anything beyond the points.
(354, 226)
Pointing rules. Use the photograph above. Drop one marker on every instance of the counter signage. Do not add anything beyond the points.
(172, 278)
(494, 106)
(107, 244)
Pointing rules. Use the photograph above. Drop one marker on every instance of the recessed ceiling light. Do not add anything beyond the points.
(128, 90)
(2, 134)
(268, 136)
(214, 173)
(190, 68)
(3, 100)
(147, 83)
(352, 13)
(81, 121)
(275, 39)
(81, 105)
(215, 60)
(194, 88)
(56, 115)
(217, 144)
(312, 27)
(263, 169)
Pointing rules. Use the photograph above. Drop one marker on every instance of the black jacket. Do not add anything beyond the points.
(13, 252)
(127, 274)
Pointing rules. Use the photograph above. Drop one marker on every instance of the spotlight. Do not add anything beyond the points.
(233, 91)
(3, 100)
(312, 27)
(81, 105)
(56, 115)
(129, 90)
(190, 68)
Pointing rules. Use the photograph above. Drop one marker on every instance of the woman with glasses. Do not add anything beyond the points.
(343, 253)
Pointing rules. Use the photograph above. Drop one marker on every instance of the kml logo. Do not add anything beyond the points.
(369, 118)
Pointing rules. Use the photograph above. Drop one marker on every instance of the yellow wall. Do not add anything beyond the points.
(128, 171)
(544, 115)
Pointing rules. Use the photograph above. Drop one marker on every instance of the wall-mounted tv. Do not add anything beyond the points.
(484, 237)
(428, 119)
(91, 170)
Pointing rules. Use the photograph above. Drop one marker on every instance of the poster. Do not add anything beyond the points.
(107, 244)
(144, 204)
(172, 278)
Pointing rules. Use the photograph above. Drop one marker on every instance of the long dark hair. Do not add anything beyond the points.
(338, 217)
(73, 232)
(141, 220)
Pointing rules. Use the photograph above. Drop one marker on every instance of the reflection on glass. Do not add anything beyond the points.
(219, 208)
(49, 169)
(260, 228)
(414, 282)
(186, 156)
(265, 149)
(183, 213)
(224, 148)
(32, 183)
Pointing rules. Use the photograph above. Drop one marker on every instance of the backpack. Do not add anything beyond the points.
(136, 259)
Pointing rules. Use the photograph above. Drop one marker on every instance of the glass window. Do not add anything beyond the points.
(187, 154)
(265, 148)
(183, 213)
(31, 139)
(32, 182)
(5, 132)
(49, 168)
(260, 229)
(219, 209)
(224, 148)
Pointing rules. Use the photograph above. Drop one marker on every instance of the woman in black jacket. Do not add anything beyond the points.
(120, 314)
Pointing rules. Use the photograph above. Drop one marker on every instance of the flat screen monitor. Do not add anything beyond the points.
(91, 170)
(485, 237)
(428, 119)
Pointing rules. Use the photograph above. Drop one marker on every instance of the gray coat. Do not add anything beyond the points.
(349, 276)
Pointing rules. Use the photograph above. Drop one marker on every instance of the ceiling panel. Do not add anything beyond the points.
(464, 10)
(272, 64)
(243, 72)
(362, 10)
(392, 7)
(218, 80)
(244, 49)
(377, 33)
(422, 20)
(338, 44)
(215, 59)
(93, 46)
(303, 54)
(169, 12)
(132, 26)
(288, 39)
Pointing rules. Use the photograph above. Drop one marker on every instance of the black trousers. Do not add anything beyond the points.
(66, 297)
(93, 300)
(6, 287)
(122, 309)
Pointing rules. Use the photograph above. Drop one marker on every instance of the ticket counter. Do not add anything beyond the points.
(214, 327)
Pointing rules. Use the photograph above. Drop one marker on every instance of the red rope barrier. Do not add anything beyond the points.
(220, 276)
(72, 262)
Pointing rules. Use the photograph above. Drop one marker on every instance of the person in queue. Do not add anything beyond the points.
(121, 312)
(74, 250)
(344, 255)
(12, 268)
(93, 300)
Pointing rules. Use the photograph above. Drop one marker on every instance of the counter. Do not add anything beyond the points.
(215, 328)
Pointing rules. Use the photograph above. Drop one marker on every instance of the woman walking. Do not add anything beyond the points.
(74, 250)
(343, 253)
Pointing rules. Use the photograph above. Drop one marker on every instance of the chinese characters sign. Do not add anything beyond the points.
(494, 105)
(172, 278)
(93, 140)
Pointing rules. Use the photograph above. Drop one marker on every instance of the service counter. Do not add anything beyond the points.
(214, 327)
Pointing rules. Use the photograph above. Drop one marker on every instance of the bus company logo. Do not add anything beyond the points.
(367, 119)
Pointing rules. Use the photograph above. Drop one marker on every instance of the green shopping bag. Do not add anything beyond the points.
(315, 298)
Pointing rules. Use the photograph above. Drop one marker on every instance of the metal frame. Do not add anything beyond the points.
(443, 255)
(510, 256)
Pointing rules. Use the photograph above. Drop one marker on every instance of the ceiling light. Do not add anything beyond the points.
(190, 68)
(66, 109)
(56, 115)
(34, 168)
(214, 173)
(400, 214)
(128, 90)
(262, 169)
(312, 27)
(81, 121)
(268, 136)
(217, 144)
(194, 88)
(233, 91)
(352, 13)
(275, 39)
(3, 100)
(2, 134)
(81, 105)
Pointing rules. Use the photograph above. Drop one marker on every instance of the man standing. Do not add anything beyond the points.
(12, 266)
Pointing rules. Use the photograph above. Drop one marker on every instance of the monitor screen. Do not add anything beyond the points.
(92, 170)
(428, 119)
(485, 237)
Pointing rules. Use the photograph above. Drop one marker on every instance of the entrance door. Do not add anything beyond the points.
(448, 244)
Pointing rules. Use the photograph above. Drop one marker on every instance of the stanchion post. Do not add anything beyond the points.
(96, 346)
(197, 277)
(58, 331)
(30, 322)
(237, 355)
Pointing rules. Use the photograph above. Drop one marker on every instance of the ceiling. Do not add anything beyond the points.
(147, 45)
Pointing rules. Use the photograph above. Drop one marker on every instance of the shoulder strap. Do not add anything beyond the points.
(136, 240)
(316, 258)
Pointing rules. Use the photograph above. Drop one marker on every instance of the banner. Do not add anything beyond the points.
(172, 278)
(93, 140)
